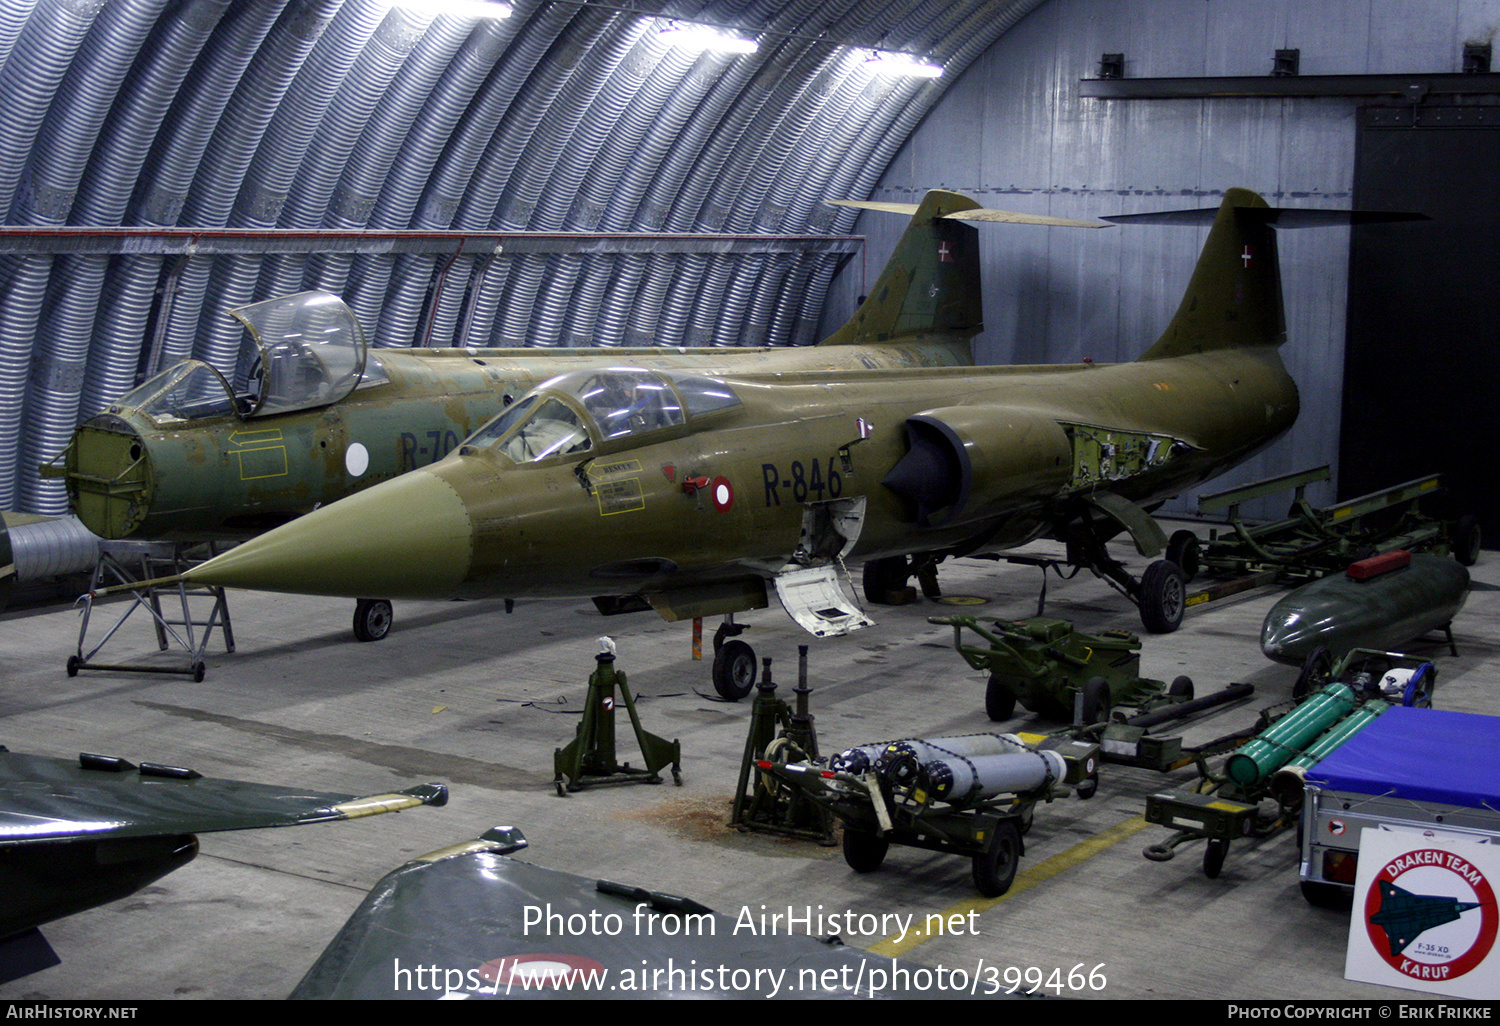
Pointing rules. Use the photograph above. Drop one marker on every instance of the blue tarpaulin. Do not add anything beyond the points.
(1426, 755)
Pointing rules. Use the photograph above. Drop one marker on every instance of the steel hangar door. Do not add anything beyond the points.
(1422, 360)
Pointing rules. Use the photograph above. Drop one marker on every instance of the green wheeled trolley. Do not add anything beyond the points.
(1058, 672)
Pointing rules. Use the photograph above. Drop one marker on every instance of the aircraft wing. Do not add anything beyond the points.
(467, 922)
(102, 797)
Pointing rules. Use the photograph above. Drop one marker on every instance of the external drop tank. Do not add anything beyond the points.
(1379, 603)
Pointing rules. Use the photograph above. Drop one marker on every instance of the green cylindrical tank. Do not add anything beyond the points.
(1285, 740)
(1286, 784)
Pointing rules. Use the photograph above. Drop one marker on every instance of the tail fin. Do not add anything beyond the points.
(930, 283)
(1234, 298)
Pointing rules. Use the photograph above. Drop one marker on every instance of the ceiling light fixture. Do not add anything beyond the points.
(890, 62)
(703, 37)
(459, 8)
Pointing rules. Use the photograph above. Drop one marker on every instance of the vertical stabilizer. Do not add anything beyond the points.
(1234, 298)
(931, 283)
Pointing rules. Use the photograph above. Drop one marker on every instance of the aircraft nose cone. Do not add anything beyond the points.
(1286, 637)
(407, 538)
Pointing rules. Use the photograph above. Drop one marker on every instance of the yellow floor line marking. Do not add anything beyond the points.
(896, 945)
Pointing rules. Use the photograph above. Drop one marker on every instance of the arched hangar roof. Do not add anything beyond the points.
(358, 115)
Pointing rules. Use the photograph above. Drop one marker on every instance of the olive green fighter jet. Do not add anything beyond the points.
(311, 414)
(698, 493)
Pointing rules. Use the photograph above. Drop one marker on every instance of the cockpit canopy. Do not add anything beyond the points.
(311, 351)
(573, 412)
(308, 352)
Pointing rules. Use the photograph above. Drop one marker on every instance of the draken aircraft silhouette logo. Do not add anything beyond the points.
(1431, 915)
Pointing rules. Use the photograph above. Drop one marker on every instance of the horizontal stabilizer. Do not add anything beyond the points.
(1279, 217)
(976, 214)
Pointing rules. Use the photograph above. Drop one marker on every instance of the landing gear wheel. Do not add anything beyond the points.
(927, 578)
(995, 869)
(1465, 540)
(734, 670)
(999, 700)
(864, 851)
(884, 581)
(73, 662)
(1184, 549)
(1316, 669)
(199, 672)
(562, 789)
(1163, 597)
(1096, 701)
(1213, 857)
(372, 619)
(1181, 688)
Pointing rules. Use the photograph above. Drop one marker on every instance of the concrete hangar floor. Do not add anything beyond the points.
(465, 694)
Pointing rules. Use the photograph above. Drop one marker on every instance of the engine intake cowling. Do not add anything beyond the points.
(970, 462)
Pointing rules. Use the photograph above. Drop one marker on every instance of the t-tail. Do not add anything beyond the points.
(1234, 298)
(930, 285)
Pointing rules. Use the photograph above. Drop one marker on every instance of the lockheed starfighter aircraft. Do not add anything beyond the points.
(699, 493)
(311, 414)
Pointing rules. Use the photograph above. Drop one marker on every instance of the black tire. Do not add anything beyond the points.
(1163, 597)
(199, 672)
(1465, 540)
(1184, 549)
(864, 851)
(1316, 669)
(1096, 701)
(734, 670)
(999, 700)
(372, 619)
(73, 662)
(885, 580)
(927, 579)
(1327, 895)
(995, 869)
(1181, 688)
(1213, 857)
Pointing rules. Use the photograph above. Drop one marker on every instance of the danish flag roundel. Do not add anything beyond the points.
(723, 494)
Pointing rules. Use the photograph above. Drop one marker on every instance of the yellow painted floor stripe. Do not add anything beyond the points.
(896, 945)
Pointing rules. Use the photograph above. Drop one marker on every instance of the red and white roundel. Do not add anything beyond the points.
(541, 970)
(1431, 915)
(723, 494)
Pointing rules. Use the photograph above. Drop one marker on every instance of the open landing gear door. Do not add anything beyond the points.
(809, 586)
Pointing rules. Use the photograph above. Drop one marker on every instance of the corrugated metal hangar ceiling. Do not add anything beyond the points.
(358, 115)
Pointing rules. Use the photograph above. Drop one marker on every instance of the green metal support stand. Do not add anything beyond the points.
(589, 759)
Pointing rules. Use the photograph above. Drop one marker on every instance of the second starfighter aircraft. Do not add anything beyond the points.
(700, 494)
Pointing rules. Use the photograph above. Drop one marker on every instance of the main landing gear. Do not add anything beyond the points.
(735, 669)
(1161, 592)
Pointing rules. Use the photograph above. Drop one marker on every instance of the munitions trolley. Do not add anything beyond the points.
(1058, 672)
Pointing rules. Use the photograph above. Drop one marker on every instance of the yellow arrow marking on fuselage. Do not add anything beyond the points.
(255, 437)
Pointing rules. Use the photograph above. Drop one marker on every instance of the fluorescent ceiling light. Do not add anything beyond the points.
(889, 62)
(702, 37)
(459, 8)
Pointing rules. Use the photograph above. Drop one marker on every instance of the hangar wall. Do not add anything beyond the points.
(1014, 133)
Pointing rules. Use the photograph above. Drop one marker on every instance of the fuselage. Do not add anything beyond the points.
(165, 464)
(791, 472)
